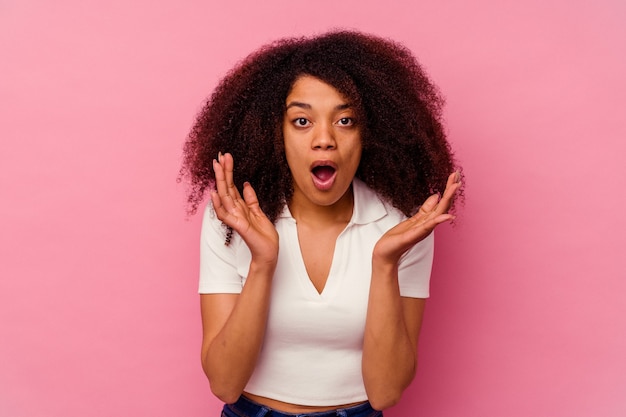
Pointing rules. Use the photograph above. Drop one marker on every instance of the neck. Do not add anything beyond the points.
(304, 211)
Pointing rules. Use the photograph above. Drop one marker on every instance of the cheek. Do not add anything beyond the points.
(357, 150)
(292, 157)
(287, 145)
(357, 160)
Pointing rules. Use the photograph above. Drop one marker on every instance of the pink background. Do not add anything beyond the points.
(99, 314)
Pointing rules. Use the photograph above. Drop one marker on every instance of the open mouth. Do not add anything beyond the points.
(323, 174)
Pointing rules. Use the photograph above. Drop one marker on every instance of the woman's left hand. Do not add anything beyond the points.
(392, 245)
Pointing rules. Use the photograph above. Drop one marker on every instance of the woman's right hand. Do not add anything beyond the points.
(243, 215)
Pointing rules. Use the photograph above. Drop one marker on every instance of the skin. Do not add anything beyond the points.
(318, 125)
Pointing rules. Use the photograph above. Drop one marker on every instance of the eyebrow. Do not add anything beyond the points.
(308, 106)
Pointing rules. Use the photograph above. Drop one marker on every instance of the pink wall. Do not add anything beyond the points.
(98, 306)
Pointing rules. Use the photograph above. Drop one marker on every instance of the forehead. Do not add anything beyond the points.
(309, 89)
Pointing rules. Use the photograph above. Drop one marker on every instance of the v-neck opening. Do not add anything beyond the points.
(303, 276)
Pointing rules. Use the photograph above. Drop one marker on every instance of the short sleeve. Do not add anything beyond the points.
(218, 262)
(415, 268)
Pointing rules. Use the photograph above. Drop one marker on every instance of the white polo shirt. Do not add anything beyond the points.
(313, 344)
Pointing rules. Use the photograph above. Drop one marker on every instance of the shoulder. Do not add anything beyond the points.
(370, 207)
(215, 237)
(222, 266)
(214, 231)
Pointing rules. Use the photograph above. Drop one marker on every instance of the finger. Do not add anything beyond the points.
(226, 200)
(250, 197)
(229, 195)
(230, 219)
(453, 183)
(417, 230)
(452, 186)
(233, 191)
(429, 205)
(228, 163)
(430, 224)
(218, 207)
(220, 176)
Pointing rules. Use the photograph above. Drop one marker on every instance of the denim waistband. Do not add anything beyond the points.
(245, 407)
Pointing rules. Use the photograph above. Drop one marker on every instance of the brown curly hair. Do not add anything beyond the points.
(405, 156)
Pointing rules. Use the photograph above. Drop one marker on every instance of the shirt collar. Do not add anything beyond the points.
(368, 207)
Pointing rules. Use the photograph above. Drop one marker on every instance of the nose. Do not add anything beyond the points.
(324, 137)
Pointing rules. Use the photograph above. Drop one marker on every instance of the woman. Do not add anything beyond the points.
(316, 246)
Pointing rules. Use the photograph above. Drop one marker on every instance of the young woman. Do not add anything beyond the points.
(328, 169)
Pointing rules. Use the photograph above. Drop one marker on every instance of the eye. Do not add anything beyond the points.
(345, 121)
(301, 122)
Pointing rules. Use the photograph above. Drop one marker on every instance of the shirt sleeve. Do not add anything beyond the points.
(218, 267)
(415, 268)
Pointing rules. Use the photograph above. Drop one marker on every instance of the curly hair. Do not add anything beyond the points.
(405, 154)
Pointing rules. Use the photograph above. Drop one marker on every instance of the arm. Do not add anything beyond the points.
(233, 330)
(393, 322)
(234, 324)
(390, 346)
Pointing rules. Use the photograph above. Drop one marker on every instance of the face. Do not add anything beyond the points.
(322, 143)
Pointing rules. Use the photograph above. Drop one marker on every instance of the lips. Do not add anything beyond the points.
(323, 174)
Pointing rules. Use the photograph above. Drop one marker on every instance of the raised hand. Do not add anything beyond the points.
(243, 215)
(403, 236)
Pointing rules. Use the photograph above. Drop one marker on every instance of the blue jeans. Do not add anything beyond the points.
(245, 407)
